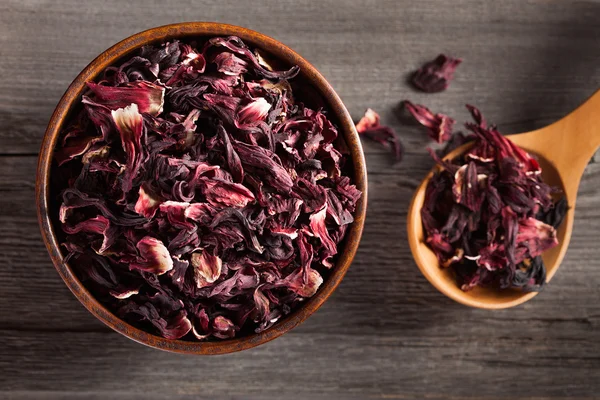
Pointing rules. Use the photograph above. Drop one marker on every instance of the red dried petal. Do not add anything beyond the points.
(256, 110)
(369, 121)
(469, 186)
(200, 212)
(223, 328)
(177, 328)
(230, 64)
(439, 126)
(219, 192)
(435, 76)
(74, 147)
(535, 236)
(148, 96)
(175, 211)
(122, 293)
(369, 127)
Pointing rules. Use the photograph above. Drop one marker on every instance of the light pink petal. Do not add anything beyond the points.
(254, 111)
(129, 123)
(207, 268)
(223, 328)
(220, 192)
(305, 282)
(147, 203)
(122, 293)
(319, 229)
(154, 256)
(369, 121)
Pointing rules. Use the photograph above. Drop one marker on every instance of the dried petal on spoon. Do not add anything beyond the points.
(488, 214)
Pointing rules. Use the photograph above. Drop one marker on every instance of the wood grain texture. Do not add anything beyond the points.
(385, 333)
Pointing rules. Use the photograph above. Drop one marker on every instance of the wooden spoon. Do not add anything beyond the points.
(563, 149)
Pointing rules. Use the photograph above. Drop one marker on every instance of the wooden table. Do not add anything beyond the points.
(386, 333)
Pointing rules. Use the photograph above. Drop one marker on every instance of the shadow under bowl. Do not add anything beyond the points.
(315, 91)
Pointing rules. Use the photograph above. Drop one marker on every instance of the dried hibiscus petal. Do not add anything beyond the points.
(154, 256)
(488, 215)
(369, 127)
(148, 96)
(207, 268)
(439, 126)
(435, 76)
(147, 203)
(129, 123)
(207, 207)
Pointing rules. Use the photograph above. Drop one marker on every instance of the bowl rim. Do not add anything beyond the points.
(181, 31)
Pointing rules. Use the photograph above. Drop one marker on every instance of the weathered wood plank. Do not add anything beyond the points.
(528, 61)
(403, 366)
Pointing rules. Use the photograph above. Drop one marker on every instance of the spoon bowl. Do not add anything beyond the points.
(563, 150)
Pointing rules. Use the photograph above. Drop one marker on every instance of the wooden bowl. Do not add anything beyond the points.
(309, 77)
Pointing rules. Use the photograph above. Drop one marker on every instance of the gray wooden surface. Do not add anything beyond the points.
(386, 333)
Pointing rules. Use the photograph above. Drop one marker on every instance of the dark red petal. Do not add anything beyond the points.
(439, 126)
(176, 213)
(177, 327)
(436, 75)
(536, 236)
(202, 213)
(75, 147)
(235, 45)
(263, 163)
(219, 192)
(230, 64)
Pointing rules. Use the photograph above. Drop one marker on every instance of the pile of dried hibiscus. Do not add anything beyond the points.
(488, 214)
(200, 200)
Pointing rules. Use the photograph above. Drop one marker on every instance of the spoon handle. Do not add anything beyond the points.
(572, 141)
(583, 127)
